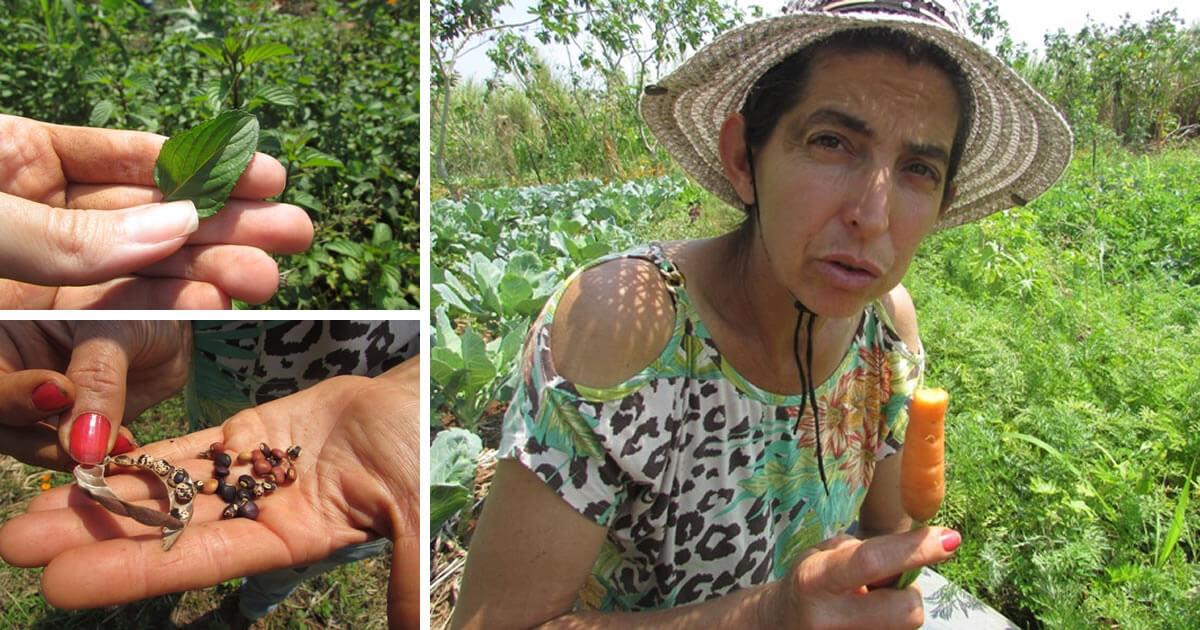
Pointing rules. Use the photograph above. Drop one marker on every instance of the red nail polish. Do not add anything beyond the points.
(89, 438)
(49, 396)
(951, 540)
(123, 445)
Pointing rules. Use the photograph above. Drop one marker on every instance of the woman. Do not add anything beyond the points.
(702, 423)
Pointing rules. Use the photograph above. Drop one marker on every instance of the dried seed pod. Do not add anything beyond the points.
(210, 486)
(245, 457)
(293, 452)
(179, 476)
(230, 511)
(223, 459)
(249, 510)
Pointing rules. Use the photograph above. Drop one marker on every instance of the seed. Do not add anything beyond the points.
(264, 449)
(227, 492)
(293, 452)
(210, 486)
(279, 474)
(230, 511)
(258, 490)
(224, 460)
(245, 457)
(278, 454)
(216, 448)
(261, 467)
(268, 486)
(243, 495)
(245, 481)
(249, 510)
(291, 474)
(220, 472)
(180, 476)
(175, 513)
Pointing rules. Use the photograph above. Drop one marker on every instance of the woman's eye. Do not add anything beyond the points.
(924, 170)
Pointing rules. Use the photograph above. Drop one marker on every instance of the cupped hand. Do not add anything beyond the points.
(358, 479)
(93, 374)
(839, 583)
(82, 226)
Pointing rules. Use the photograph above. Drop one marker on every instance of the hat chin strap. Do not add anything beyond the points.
(807, 387)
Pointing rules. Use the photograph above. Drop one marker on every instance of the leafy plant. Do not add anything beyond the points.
(204, 163)
(452, 459)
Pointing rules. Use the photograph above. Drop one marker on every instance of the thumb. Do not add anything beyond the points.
(55, 246)
(99, 367)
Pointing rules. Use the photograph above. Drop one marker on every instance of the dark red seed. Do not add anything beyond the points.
(292, 474)
(249, 510)
(216, 448)
(279, 474)
(278, 453)
(261, 467)
(224, 460)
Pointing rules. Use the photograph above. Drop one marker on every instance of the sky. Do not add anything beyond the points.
(1028, 20)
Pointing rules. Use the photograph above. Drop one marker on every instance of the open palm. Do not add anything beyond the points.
(76, 230)
(358, 475)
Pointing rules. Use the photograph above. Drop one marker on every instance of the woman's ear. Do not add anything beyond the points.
(735, 157)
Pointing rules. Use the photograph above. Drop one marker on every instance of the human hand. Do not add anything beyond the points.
(81, 226)
(358, 479)
(83, 370)
(835, 584)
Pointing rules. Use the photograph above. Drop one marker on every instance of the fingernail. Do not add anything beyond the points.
(89, 438)
(160, 222)
(951, 540)
(49, 396)
(123, 445)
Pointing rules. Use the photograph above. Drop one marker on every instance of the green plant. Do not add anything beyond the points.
(204, 163)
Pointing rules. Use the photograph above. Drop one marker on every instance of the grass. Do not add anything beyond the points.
(350, 596)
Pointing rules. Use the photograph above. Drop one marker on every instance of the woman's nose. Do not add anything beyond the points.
(868, 209)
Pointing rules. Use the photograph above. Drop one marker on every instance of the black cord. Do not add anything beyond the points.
(807, 387)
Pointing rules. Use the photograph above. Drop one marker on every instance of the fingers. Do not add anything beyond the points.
(110, 156)
(144, 293)
(888, 608)
(243, 273)
(404, 591)
(275, 227)
(28, 396)
(849, 567)
(36, 445)
(99, 367)
(53, 246)
(121, 570)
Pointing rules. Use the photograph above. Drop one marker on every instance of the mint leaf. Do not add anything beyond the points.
(203, 163)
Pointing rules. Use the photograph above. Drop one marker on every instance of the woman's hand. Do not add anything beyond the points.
(359, 471)
(844, 582)
(113, 370)
(81, 226)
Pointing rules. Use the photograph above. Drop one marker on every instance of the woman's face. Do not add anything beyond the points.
(852, 177)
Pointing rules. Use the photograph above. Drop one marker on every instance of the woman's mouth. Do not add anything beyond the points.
(848, 273)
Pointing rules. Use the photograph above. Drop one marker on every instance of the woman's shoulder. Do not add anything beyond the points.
(901, 316)
(612, 321)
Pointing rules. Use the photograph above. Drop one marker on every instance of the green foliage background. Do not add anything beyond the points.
(1066, 331)
(336, 92)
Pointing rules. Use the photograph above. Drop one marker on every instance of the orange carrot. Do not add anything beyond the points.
(922, 463)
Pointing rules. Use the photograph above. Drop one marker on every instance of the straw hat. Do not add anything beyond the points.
(1018, 145)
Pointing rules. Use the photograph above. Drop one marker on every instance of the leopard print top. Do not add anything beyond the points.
(706, 482)
(236, 365)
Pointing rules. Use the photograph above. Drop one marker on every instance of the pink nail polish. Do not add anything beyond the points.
(49, 396)
(951, 540)
(89, 438)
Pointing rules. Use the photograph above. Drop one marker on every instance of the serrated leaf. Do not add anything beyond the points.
(263, 52)
(211, 48)
(312, 158)
(204, 163)
(277, 95)
(102, 111)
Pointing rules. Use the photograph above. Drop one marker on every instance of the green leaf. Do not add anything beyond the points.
(1177, 524)
(211, 48)
(312, 158)
(277, 95)
(102, 111)
(381, 234)
(452, 457)
(263, 52)
(480, 369)
(203, 163)
(446, 501)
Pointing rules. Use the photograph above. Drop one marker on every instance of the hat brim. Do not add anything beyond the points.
(1017, 147)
